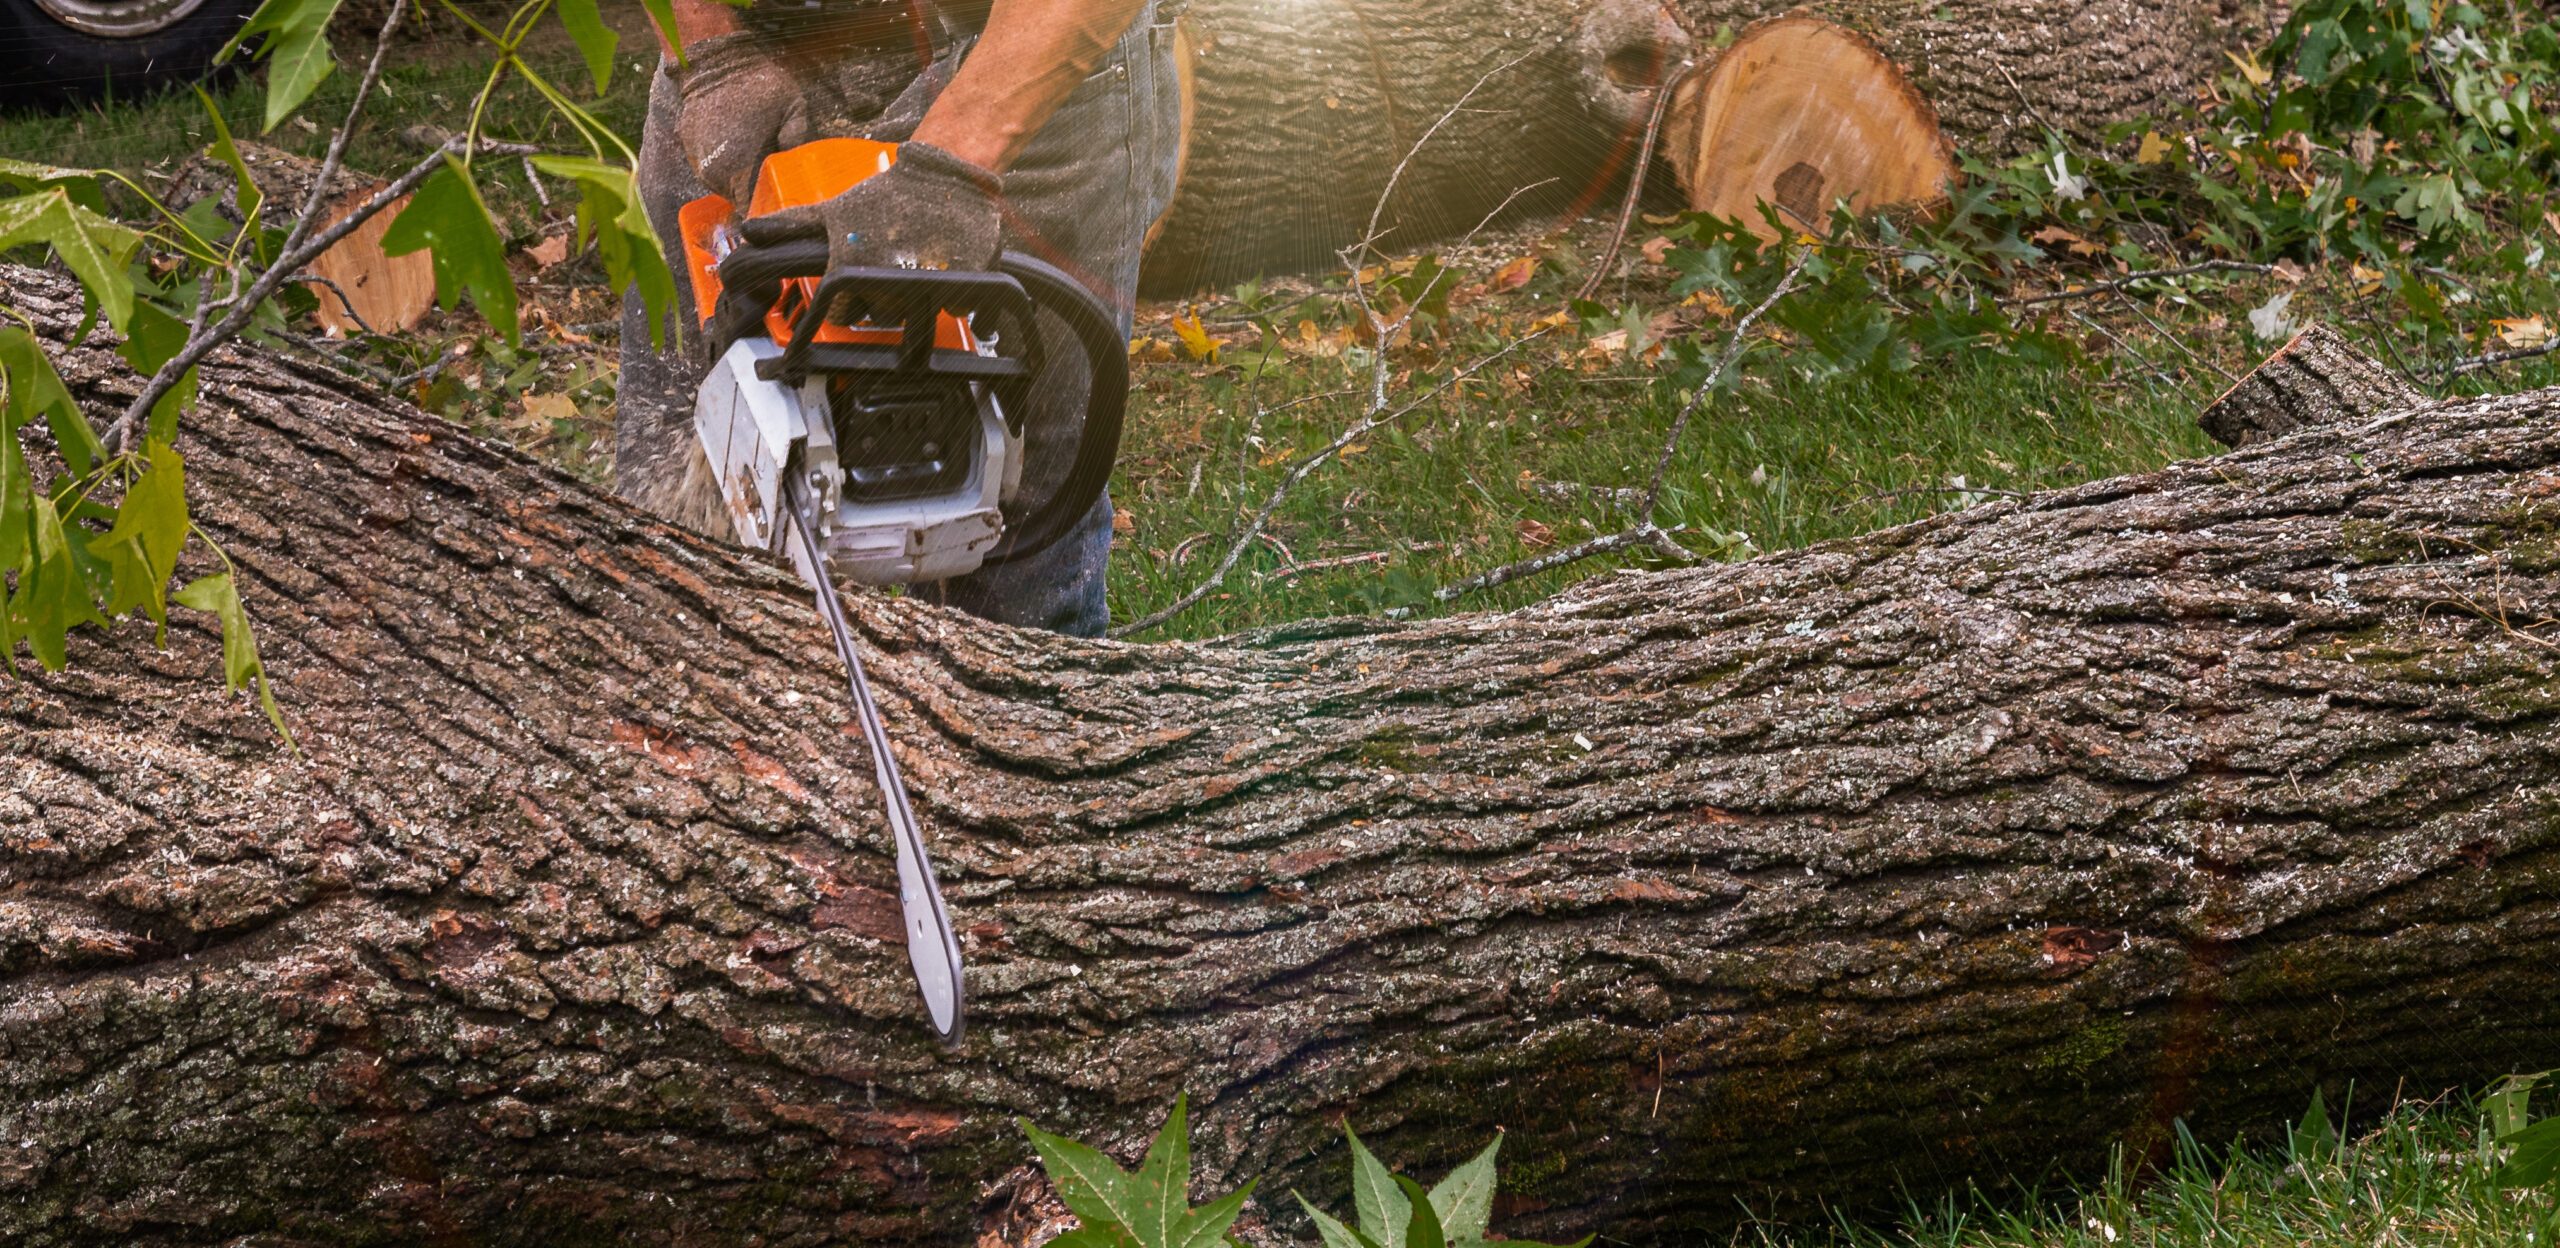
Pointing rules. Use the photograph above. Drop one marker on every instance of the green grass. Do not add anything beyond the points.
(2414, 1179)
(1501, 470)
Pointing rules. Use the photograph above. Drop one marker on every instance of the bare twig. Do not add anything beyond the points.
(1965, 491)
(1635, 179)
(201, 343)
(1253, 529)
(343, 301)
(2493, 359)
(2095, 289)
(2173, 340)
(1296, 570)
(1734, 344)
(2152, 375)
(1644, 532)
(318, 192)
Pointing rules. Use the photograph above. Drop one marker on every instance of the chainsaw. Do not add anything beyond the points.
(867, 423)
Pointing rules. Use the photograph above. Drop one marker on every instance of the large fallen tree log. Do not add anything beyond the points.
(1303, 113)
(1951, 853)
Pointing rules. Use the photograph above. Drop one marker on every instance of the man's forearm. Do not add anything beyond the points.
(1033, 56)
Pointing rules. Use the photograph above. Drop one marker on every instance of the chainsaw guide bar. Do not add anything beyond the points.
(932, 948)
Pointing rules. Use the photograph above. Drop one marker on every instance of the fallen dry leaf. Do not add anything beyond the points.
(1534, 535)
(2522, 332)
(549, 251)
(1196, 339)
(1657, 249)
(1514, 275)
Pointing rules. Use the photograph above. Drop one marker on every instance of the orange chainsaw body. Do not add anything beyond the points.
(808, 174)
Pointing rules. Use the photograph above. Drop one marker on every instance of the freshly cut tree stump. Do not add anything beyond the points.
(1805, 114)
(1962, 851)
(365, 287)
(2316, 378)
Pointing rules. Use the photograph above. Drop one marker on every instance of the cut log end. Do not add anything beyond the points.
(2318, 378)
(1805, 114)
(363, 288)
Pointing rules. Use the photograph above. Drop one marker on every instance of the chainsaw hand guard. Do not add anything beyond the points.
(756, 281)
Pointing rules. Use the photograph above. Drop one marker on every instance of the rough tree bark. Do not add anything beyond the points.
(1949, 853)
(1305, 110)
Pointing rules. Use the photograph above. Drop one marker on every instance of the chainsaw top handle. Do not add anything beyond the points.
(1000, 306)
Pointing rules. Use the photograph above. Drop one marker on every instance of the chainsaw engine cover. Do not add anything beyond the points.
(909, 475)
(924, 466)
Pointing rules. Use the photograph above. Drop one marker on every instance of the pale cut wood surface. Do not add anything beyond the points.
(1802, 113)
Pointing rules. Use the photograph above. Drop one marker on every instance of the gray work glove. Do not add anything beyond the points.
(740, 104)
(930, 210)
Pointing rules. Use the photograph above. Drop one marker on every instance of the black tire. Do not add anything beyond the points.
(53, 64)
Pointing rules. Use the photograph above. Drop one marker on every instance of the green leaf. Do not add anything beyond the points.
(95, 248)
(241, 667)
(596, 41)
(448, 218)
(1094, 1188)
(1464, 1200)
(1160, 1194)
(2536, 1159)
(1381, 1209)
(1206, 1226)
(53, 597)
(153, 337)
(35, 388)
(141, 550)
(609, 208)
(2506, 1103)
(663, 14)
(1333, 1232)
(296, 51)
(1425, 1230)
(248, 196)
(2314, 1138)
(1102, 1235)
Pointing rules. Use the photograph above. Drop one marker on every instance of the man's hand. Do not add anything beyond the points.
(740, 105)
(930, 210)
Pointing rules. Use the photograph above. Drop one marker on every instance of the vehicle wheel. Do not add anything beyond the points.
(61, 52)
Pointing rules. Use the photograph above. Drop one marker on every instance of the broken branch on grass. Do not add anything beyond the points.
(2495, 358)
(1647, 534)
(1253, 529)
(1964, 491)
(1644, 532)
(2095, 289)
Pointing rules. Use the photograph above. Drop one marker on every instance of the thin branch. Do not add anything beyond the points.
(1378, 210)
(2493, 359)
(1644, 532)
(1253, 529)
(343, 301)
(1734, 344)
(2173, 340)
(2095, 289)
(1635, 179)
(245, 304)
(318, 192)
(1965, 491)
(1296, 570)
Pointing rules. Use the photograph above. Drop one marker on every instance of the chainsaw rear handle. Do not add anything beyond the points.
(913, 299)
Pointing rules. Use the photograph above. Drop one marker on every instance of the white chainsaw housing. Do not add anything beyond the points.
(752, 430)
